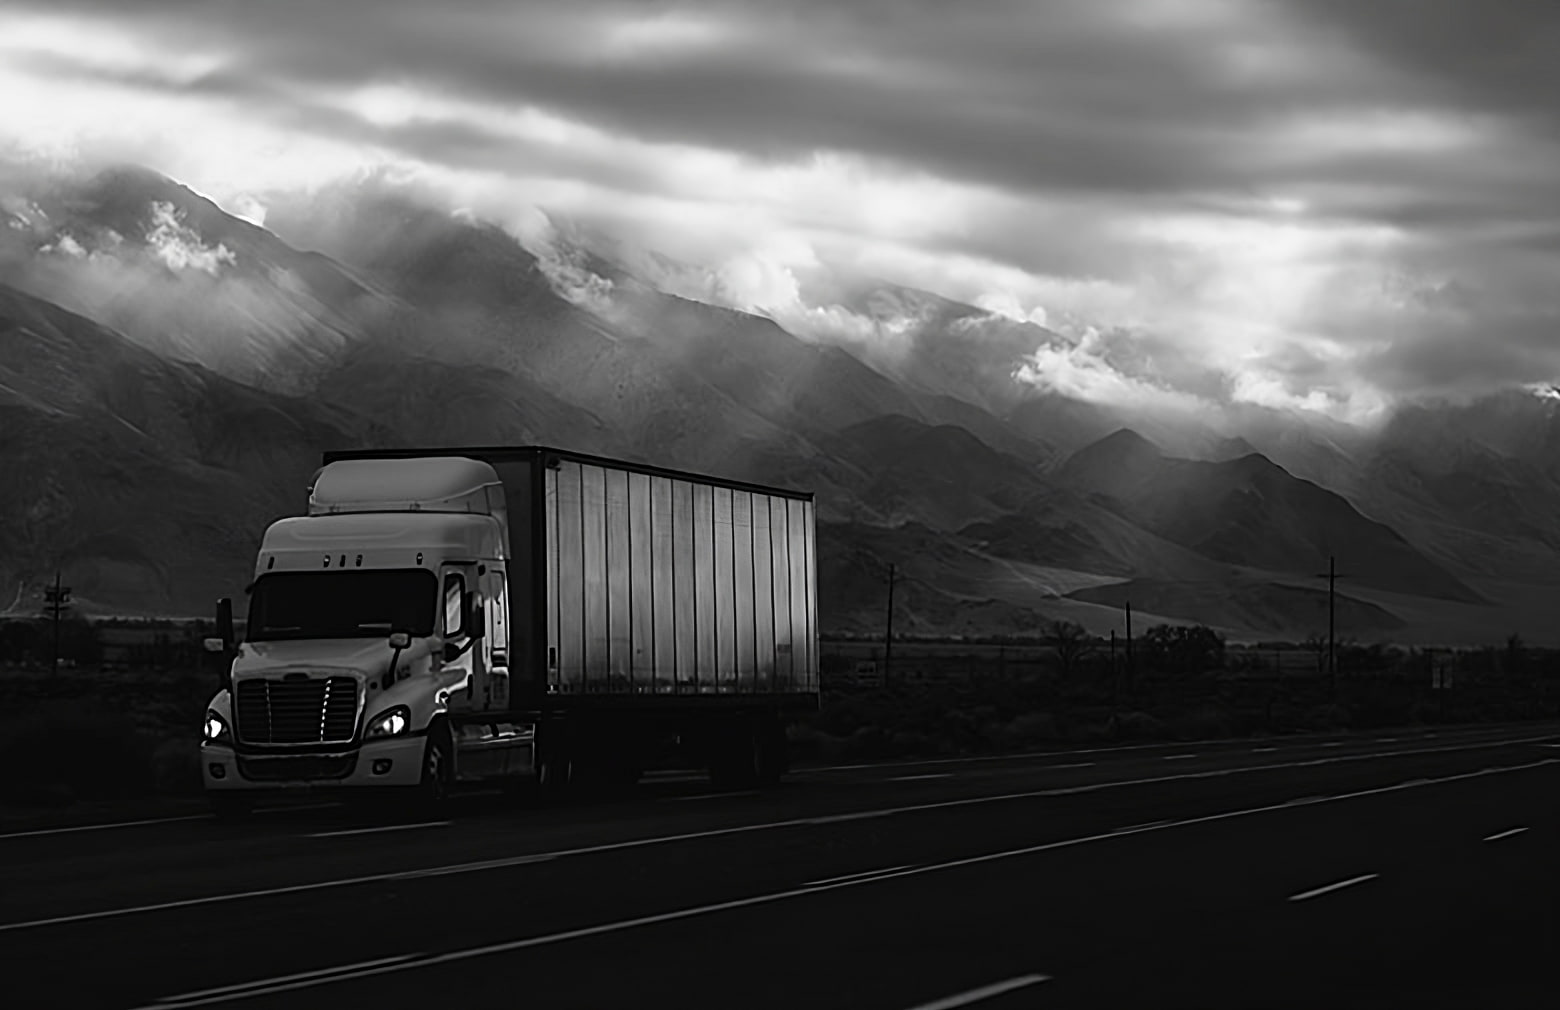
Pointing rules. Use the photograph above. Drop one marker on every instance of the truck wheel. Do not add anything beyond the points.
(438, 770)
(555, 774)
(733, 762)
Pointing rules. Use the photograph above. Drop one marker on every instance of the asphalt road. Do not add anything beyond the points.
(1407, 869)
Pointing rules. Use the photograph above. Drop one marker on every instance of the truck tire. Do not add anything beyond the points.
(554, 773)
(770, 752)
(733, 759)
(438, 771)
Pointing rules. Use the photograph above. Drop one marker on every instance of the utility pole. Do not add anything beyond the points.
(1131, 667)
(57, 600)
(888, 635)
(1332, 577)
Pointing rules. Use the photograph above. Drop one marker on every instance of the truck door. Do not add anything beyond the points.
(495, 596)
(466, 675)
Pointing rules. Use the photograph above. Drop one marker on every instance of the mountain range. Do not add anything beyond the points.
(169, 374)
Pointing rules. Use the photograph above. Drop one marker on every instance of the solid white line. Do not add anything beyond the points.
(1150, 824)
(1505, 834)
(1080, 764)
(764, 899)
(709, 796)
(105, 827)
(1333, 887)
(384, 827)
(984, 992)
(1294, 741)
(856, 876)
(1262, 750)
(289, 978)
(635, 843)
(1178, 757)
(918, 778)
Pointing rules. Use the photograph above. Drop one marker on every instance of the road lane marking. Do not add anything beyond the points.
(797, 771)
(764, 899)
(856, 876)
(382, 827)
(709, 796)
(1386, 739)
(1303, 895)
(1505, 834)
(1080, 764)
(918, 778)
(105, 827)
(1302, 801)
(491, 864)
(153, 821)
(1297, 741)
(1150, 824)
(1178, 757)
(983, 993)
(1334, 743)
(320, 973)
(634, 843)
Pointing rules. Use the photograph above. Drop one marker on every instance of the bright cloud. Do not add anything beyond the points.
(1242, 201)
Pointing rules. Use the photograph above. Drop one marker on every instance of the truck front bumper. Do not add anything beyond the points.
(374, 765)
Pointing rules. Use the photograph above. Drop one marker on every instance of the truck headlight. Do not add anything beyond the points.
(391, 723)
(216, 728)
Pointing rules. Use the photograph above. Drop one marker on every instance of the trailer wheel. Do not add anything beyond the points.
(769, 752)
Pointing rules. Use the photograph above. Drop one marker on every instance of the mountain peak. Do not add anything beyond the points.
(1122, 445)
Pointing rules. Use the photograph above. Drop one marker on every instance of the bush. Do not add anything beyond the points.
(1030, 729)
(1206, 723)
(1140, 726)
(62, 750)
(176, 766)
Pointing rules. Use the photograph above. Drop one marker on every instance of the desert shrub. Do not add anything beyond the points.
(1030, 729)
(176, 766)
(1203, 723)
(1140, 726)
(58, 751)
(1328, 716)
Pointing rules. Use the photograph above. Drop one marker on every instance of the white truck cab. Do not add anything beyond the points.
(372, 621)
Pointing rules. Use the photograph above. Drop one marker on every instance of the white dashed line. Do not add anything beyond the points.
(1303, 895)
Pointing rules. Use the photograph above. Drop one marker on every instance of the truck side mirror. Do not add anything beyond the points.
(223, 641)
(476, 623)
(225, 622)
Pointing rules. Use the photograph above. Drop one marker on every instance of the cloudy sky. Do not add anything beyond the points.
(1327, 203)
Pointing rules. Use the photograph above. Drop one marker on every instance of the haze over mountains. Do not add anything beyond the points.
(169, 374)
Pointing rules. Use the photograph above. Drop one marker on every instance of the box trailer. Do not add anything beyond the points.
(524, 615)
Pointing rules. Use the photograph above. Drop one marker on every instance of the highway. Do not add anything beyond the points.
(1394, 869)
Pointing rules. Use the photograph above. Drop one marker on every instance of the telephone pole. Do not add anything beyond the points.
(1131, 666)
(1332, 576)
(57, 599)
(888, 634)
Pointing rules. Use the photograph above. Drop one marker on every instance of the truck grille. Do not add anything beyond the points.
(297, 710)
(297, 768)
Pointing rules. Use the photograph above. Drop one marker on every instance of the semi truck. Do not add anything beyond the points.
(526, 616)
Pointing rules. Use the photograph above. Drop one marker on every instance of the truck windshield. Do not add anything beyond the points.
(350, 604)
